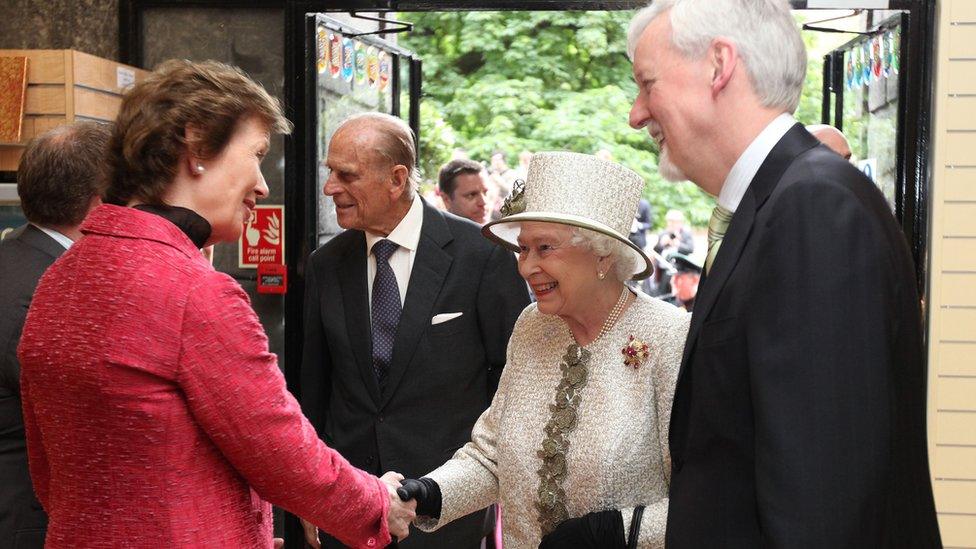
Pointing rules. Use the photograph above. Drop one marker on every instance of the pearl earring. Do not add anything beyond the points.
(199, 168)
(601, 275)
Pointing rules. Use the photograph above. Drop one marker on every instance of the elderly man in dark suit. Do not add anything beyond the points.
(60, 179)
(799, 412)
(408, 314)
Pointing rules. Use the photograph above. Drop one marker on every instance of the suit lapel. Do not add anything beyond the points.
(796, 141)
(728, 255)
(355, 302)
(430, 268)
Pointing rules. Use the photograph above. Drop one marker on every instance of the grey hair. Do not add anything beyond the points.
(764, 31)
(624, 260)
(396, 142)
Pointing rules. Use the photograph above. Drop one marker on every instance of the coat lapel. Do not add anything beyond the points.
(796, 141)
(728, 255)
(430, 268)
(355, 302)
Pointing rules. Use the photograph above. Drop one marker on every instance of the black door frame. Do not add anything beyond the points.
(911, 186)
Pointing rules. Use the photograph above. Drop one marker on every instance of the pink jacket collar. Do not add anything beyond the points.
(122, 222)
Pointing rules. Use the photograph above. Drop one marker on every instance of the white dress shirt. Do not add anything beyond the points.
(751, 160)
(407, 235)
(58, 237)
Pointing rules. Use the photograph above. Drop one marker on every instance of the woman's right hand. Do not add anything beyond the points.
(401, 513)
(398, 518)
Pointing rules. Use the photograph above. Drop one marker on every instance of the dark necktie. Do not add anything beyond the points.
(386, 309)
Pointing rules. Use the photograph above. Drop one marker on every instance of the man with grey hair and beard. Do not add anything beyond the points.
(407, 318)
(60, 179)
(799, 412)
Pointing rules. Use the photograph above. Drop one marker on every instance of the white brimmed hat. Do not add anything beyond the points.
(574, 189)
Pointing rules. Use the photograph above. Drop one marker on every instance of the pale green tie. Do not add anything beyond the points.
(717, 226)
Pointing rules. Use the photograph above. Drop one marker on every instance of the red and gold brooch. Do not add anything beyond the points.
(635, 353)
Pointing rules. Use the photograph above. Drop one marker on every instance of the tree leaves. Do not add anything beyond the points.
(539, 81)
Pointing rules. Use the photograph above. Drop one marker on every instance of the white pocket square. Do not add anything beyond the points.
(444, 317)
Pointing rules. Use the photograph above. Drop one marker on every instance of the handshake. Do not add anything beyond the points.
(408, 498)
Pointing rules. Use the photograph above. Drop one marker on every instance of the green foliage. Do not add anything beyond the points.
(811, 102)
(539, 81)
(439, 140)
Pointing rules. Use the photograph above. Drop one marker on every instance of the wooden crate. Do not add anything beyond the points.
(64, 86)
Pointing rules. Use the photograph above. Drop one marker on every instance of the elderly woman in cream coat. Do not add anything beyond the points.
(574, 445)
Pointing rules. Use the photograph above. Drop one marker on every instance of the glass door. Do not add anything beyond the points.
(862, 84)
(352, 71)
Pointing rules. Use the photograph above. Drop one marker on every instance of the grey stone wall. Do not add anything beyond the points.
(252, 39)
(91, 26)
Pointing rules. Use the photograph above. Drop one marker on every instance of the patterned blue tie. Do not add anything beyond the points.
(386, 309)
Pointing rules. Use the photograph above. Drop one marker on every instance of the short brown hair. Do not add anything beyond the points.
(447, 178)
(61, 171)
(150, 132)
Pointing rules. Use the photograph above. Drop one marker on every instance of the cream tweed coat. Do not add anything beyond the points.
(618, 456)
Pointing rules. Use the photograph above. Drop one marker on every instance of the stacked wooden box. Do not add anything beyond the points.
(64, 86)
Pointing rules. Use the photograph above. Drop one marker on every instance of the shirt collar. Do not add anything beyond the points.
(58, 237)
(407, 233)
(193, 225)
(745, 168)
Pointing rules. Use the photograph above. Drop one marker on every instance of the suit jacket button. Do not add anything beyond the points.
(678, 464)
(371, 542)
(369, 460)
(380, 419)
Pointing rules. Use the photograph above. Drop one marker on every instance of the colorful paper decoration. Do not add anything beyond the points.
(851, 76)
(322, 50)
(876, 57)
(384, 61)
(372, 67)
(886, 54)
(360, 63)
(335, 58)
(895, 50)
(866, 67)
(348, 63)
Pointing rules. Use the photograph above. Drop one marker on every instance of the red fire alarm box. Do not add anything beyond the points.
(272, 278)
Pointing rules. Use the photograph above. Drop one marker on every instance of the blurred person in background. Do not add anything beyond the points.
(463, 187)
(498, 167)
(522, 170)
(684, 282)
(641, 224)
(833, 138)
(676, 236)
(155, 414)
(60, 179)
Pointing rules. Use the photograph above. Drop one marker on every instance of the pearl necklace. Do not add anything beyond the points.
(612, 318)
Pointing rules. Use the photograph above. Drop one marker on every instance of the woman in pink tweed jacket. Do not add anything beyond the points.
(155, 415)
